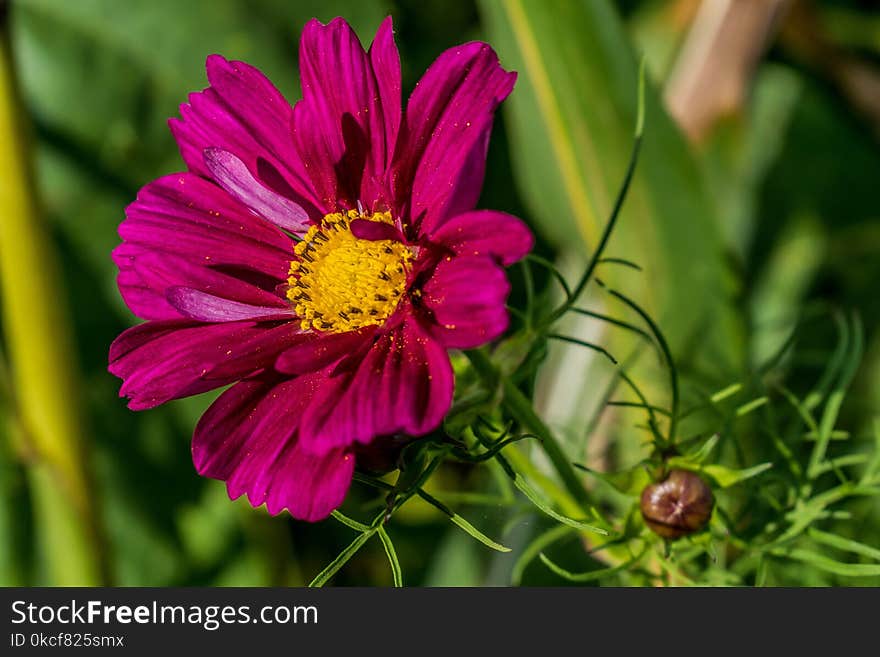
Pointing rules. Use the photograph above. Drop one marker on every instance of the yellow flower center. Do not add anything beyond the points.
(341, 282)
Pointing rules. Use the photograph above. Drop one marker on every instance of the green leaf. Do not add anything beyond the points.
(840, 462)
(333, 567)
(626, 483)
(748, 407)
(396, 572)
(535, 499)
(461, 522)
(590, 575)
(829, 565)
(722, 475)
(804, 514)
(705, 450)
(762, 573)
(348, 522)
(834, 365)
(845, 544)
(850, 363)
(873, 466)
(723, 394)
(726, 477)
(802, 410)
(536, 547)
(835, 435)
(477, 534)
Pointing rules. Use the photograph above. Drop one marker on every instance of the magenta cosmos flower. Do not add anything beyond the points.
(321, 257)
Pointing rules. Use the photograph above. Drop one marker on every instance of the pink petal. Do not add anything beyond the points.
(232, 175)
(403, 384)
(205, 307)
(322, 160)
(257, 352)
(375, 230)
(466, 297)
(340, 127)
(145, 276)
(441, 150)
(486, 232)
(160, 361)
(385, 62)
(187, 216)
(316, 351)
(248, 437)
(242, 112)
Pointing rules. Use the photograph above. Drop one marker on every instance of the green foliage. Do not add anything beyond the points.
(333, 567)
(571, 125)
(733, 313)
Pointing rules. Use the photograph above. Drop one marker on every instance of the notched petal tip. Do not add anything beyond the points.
(336, 21)
(385, 32)
(248, 438)
(486, 233)
(441, 153)
(315, 29)
(215, 60)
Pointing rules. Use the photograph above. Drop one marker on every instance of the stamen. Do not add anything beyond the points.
(352, 282)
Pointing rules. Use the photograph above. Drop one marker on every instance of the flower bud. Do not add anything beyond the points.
(679, 505)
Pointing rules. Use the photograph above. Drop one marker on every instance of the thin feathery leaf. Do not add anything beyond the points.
(333, 567)
(396, 572)
(590, 575)
(533, 549)
(462, 523)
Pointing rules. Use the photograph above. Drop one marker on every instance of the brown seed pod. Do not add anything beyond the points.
(679, 505)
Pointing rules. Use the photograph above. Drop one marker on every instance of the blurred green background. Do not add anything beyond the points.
(756, 196)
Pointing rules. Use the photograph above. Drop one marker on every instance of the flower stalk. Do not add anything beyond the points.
(575, 293)
(47, 423)
(520, 408)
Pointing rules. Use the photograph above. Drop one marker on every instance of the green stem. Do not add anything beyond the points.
(44, 384)
(596, 258)
(667, 355)
(520, 408)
